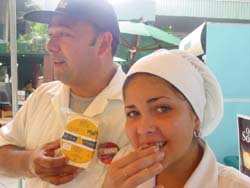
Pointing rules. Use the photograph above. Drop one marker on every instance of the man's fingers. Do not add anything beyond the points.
(51, 162)
(44, 172)
(58, 180)
(52, 145)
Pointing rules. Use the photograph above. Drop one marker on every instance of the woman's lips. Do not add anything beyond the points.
(159, 144)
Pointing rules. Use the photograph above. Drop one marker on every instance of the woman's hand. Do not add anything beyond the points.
(134, 169)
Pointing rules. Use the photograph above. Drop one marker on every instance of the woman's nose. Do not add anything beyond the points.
(52, 46)
(146, 126)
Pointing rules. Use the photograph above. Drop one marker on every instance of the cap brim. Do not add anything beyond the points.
(41, 16)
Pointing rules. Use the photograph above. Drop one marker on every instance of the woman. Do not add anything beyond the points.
(172, 100)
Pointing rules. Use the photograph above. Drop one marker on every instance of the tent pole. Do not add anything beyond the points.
(13, 54)
(136, 44)
(13, 57)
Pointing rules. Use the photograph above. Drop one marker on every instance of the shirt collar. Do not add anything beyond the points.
(206, 173)
(112, 92)
(114, 88)
(59, 94)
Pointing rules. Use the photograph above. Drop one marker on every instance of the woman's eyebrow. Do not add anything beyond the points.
(156, 99)
(151, 100)
(130, 106)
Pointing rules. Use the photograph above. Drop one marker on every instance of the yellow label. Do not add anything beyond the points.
(83, 127)
(79, 147)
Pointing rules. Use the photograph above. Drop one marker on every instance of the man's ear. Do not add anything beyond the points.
(105, 43)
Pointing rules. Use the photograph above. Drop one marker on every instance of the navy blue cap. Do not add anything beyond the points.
(98, 12)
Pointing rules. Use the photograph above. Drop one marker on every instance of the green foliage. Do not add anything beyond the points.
(22, 7)
(38, 31)
(38, 34)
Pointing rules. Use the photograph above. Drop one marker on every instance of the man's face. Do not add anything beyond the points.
(71, 50)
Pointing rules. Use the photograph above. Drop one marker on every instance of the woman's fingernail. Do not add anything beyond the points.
(156, 148)
(144, 146)
(160, 156)
(158, 168)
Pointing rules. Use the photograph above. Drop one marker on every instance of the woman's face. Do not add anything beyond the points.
(157, 114)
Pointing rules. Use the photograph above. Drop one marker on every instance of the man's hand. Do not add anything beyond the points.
(55, 170)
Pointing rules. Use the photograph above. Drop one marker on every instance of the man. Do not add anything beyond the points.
(84, 36)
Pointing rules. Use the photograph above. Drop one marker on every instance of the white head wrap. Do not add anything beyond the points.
(192, 77)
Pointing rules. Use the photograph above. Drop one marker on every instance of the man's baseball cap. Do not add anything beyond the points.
(98, 12)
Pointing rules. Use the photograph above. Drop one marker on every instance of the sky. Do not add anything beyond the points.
(125, 9)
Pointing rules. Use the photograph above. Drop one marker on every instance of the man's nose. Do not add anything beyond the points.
(52, 45)
(146, 126)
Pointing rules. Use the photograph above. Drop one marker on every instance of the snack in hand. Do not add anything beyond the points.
(79, 140)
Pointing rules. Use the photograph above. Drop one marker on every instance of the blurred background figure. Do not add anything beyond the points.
(28, 88)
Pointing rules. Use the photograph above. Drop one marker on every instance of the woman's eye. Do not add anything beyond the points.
(163, 109)
(132, 114)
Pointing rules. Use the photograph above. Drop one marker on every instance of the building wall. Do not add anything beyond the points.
(231, 9)
(131, 9)
(3, 19)
(228, 56)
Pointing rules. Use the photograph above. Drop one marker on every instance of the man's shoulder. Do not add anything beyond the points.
(50, 87)
(46, 92)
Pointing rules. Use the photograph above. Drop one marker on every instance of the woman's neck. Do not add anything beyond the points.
(177, 174)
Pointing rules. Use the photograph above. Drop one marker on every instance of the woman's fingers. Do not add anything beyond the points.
(159, 186)
(137, 154)
(143, 175)
(134, 169)
(139, 162)
(143, 163)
